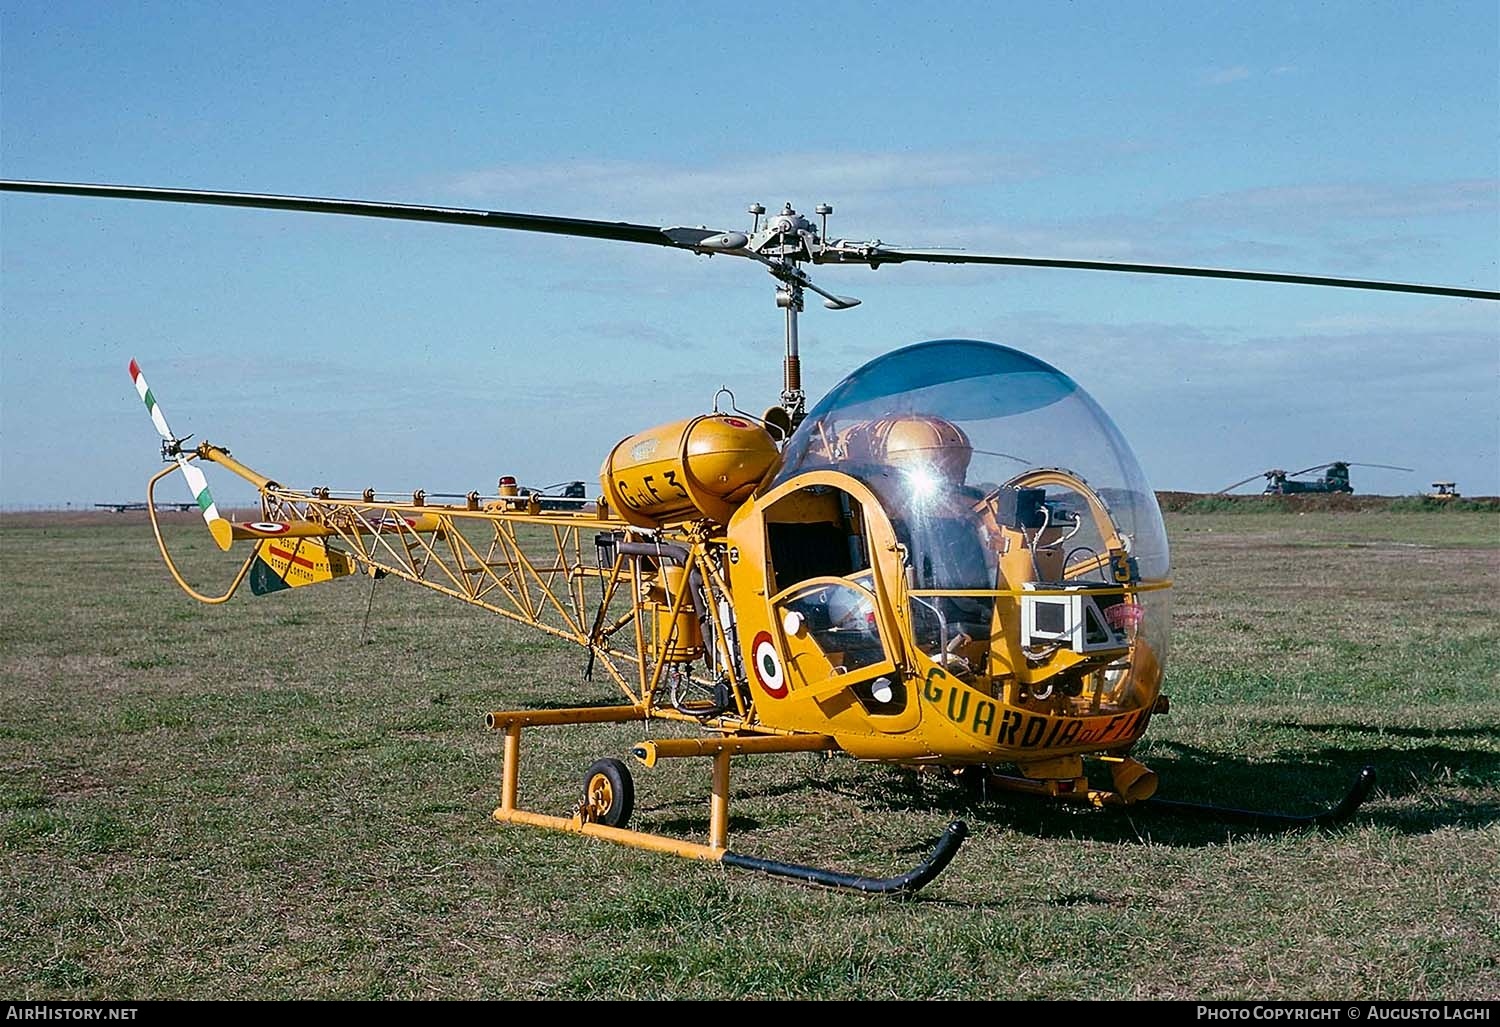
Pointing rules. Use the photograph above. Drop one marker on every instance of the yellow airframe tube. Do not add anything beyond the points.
(505, 719)
(664, 748)
(208, 451)
(512, 721)
(718, 804)
(298, 529)
(624, 836)
(317, 529)
(717, 850)
(510, 771)
(284, 529)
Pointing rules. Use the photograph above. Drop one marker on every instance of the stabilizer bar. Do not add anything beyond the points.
(904, 884)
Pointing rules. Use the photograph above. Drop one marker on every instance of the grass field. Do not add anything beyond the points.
(266, 800)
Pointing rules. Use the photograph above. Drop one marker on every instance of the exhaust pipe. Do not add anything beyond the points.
(1134, 781)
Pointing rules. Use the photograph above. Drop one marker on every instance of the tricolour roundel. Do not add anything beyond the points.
(267, 527)
(768, 670)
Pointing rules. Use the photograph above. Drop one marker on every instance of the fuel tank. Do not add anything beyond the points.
(701, 467)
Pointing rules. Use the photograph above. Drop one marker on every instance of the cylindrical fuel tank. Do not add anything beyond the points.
(911, 441)
(679, 639)
(702, 467)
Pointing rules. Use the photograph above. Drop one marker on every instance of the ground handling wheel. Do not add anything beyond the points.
(608, 793)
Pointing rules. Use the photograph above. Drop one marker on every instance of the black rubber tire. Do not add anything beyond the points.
(609, 787)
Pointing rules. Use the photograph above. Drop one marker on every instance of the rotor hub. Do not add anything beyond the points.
(788, 222)
(787, 235)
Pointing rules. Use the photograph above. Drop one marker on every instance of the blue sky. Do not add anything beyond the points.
(1353, 139)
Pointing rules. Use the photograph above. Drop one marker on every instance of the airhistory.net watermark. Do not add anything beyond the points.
(42, 1011)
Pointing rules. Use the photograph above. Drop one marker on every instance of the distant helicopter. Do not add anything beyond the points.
(952, 561)
(1335, 478)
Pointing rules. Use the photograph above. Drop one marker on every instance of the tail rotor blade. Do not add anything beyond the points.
(197, 482)
(157, 417)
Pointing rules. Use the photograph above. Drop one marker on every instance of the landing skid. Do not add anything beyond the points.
(905, 884)
(1078, 791)
(1336, 814)
(609, 795)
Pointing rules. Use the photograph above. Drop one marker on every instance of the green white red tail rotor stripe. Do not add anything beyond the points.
(217, 525)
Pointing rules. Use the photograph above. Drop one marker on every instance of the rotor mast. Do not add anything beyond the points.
(787, 241)
(793, 399)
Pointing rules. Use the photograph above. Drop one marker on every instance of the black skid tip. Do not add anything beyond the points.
(905, 884)
(1364, 783)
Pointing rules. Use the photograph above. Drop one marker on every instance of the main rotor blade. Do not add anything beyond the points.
(1346, 463)
(683, 238)
(875, 255)
(1242, 481)
(839, 252)
(1314, 467)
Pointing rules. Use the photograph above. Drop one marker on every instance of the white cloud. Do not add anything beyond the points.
(670, 191)
(1224, 76)
(1349, 200)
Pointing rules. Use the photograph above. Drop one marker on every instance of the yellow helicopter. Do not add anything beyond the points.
(952, 561)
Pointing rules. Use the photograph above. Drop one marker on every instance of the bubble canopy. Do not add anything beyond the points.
(957, 415)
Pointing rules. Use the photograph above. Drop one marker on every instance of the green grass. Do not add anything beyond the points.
(270, 800)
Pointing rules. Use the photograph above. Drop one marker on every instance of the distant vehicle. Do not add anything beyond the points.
(1335, 478)
(122, 507)
(1444, 490)
(565, 495)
